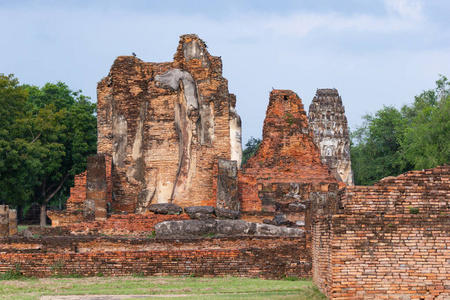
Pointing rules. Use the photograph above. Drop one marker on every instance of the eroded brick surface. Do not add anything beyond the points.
(244, 256)
(96, 186)
(287, 167)
(161, 127)
(4, 220)
(77, 194)
(165, 124)
(8, 221)
(328, 124)
(12, 221)
(100, 190)
(133, 225)
(387, 241)
(226, 183)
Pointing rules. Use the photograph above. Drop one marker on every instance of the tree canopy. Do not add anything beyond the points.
(393, 141)
(44, 142)
(17, 159)
(250, 149)
(426, 141)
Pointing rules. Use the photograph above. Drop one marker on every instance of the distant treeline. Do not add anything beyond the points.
(391, 141)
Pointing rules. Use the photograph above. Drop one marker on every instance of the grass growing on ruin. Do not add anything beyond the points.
(188, 287)
(22, 227)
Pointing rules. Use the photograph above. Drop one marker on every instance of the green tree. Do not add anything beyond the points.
(416, 137)
(64, 124)
(17, 162)
(250, 149)
(376, 147)
(45, 136)
(426, 142)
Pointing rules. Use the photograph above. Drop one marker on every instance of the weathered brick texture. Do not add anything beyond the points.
(100, 190)
(96, 186)
(262, 257)
(286, 168)
(225, 184)
(4, 220)
(387, 241)
(8, 221)
(165, 124)
(328, 124)
(168, 133)
(161, 128)
(77, 194)
(62, 218)
(12, 221)
(130, 225)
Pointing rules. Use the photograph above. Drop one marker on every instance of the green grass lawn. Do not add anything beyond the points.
(187, 287)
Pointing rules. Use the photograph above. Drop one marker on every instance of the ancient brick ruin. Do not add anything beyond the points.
(286, 168)
(90, 197)
(169, 133)
(164, 125)
(328, 123)
(8, 221)
(264, 257)
(386, 241)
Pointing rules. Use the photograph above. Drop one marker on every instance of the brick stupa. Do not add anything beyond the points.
(286, 158)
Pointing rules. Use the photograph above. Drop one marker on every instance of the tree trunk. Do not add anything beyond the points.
(46, 198)
(43, 218)
(19, 214)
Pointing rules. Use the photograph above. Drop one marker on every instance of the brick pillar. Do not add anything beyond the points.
(227, 185)
(89, 210)
(96, 188)
(4, 220)
(12, 221)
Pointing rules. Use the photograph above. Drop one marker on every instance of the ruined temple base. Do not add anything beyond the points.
(120, 225)
(242, 256)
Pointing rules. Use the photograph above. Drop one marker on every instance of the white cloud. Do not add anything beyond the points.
(260, 50)
(401, 15)
(408, 9)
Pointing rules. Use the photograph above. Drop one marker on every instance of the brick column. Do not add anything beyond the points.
(227, 184)
(96, 189)
(4, 220)
(12, 221)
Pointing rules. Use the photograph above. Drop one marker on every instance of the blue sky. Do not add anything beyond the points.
(374, 52)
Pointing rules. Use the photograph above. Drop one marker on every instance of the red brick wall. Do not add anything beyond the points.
(379, 246)
(77, 193)
(74, 206)
(427, 191)
(321, 253)
(63, 218)
(131, 224)
(245, 256)
(248, 193)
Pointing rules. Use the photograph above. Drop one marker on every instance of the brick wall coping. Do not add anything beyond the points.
(80, 244)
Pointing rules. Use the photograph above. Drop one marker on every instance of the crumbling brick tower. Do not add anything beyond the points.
(328, 123)
(165, 125)
(286, 167)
